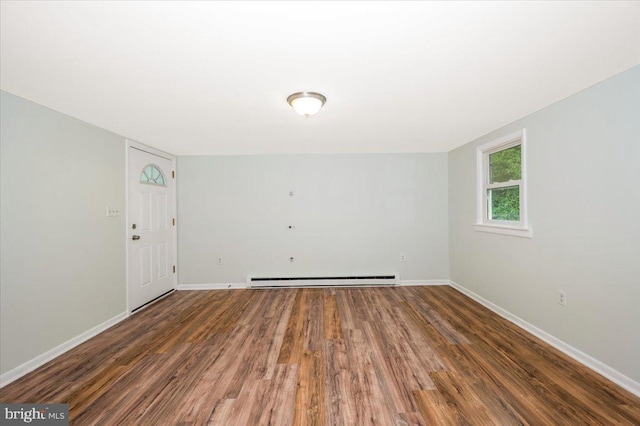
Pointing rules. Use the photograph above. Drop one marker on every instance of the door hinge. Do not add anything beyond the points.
(174, 221)
(174, 269)
(173, 174)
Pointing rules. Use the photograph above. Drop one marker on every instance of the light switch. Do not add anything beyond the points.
(112, 211)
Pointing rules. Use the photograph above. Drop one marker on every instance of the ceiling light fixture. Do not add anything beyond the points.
(306, 103)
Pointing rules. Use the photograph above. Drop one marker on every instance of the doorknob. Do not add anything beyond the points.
(135, 237)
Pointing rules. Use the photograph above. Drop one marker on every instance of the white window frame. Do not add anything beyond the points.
(483, 222)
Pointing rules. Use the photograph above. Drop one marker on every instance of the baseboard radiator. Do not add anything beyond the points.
(347, 281)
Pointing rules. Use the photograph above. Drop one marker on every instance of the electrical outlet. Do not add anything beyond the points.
(562, 297)
(219, 261)
(402, 257)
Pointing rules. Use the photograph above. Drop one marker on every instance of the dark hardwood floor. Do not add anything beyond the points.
(387, 356)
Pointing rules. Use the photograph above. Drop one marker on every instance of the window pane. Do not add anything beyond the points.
(505, 165)
(152, 175)
(504, 203)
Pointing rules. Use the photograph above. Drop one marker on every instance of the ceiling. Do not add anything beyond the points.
(200, 78)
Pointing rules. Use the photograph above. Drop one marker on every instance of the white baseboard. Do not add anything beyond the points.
(232, 286)
(212, 286)
(407, 283)
(42, 359)
(588, 361)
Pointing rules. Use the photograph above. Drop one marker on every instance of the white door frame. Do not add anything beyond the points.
(142, 147)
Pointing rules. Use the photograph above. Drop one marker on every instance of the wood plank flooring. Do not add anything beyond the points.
(358, 356)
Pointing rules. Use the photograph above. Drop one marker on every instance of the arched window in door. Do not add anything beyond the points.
(152, 175)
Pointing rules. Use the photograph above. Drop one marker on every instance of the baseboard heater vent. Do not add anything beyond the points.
(349, 281)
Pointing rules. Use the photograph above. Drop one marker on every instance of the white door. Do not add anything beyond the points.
(150, 227)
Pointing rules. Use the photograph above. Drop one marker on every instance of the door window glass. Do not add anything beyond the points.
(152, 175)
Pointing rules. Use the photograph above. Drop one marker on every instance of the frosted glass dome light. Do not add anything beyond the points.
(306, 103)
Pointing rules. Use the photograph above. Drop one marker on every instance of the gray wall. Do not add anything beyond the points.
(584, 206)
(62, 268)
(354, 214)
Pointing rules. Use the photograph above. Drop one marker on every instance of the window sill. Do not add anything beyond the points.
(513, 231)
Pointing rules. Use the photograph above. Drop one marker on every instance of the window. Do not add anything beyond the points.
(152, 175)
(502, 190)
